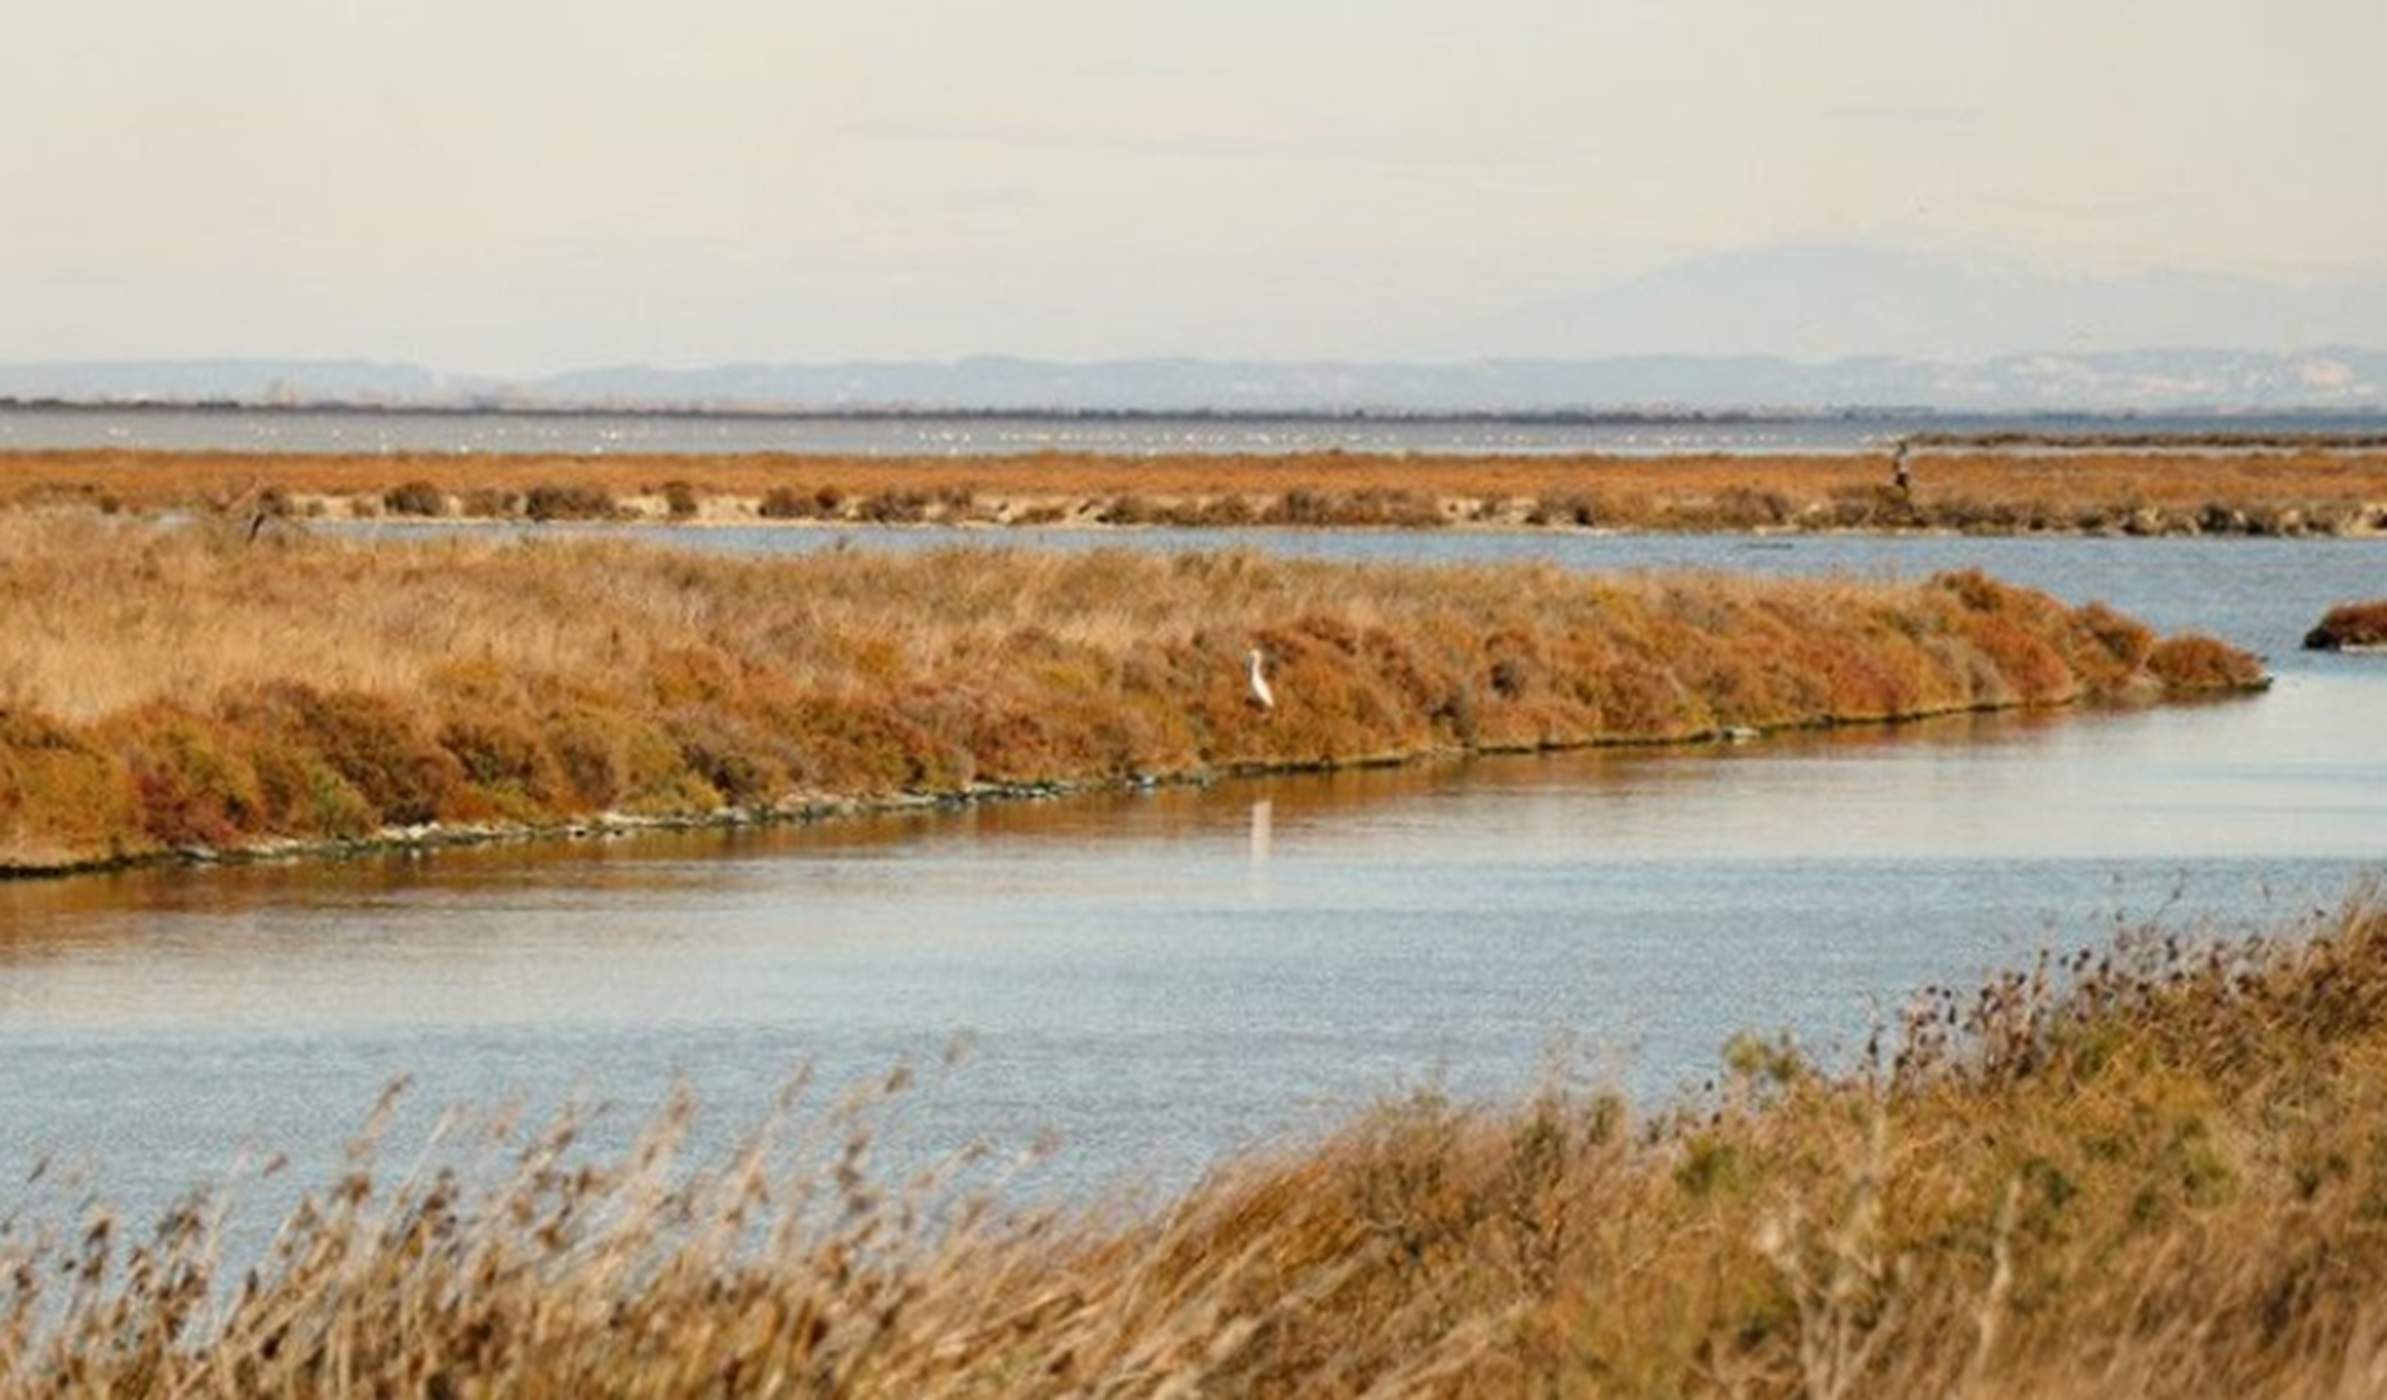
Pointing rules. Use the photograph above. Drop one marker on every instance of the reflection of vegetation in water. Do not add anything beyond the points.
(178, 689)
(2155, 1167)
(65, 917)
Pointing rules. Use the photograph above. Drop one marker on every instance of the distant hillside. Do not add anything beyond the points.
(2166, 380)
(1817, 302)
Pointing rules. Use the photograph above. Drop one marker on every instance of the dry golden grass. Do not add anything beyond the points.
(2157, 1169)
(166, 689)
(2154, 492)
(2361, 626)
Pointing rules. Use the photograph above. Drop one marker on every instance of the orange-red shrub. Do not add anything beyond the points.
(2190, 663)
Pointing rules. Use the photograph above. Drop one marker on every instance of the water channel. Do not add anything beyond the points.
(1163, 978)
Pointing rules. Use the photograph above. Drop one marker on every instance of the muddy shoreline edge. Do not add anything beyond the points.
(816, 809)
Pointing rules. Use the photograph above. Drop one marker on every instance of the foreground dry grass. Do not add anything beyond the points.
(2154, 492)
(172, 689)
(2159, 1169)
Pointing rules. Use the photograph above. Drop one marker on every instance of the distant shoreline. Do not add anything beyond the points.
(2241, 491)
(2344, 430)
(958, 413)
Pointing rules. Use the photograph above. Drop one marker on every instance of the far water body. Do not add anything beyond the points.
(1163, 979)
(227, 429)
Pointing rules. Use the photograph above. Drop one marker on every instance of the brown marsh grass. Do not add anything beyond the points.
(1984, 491)
(169, 689)
(2157, 1168)
(2360, 626)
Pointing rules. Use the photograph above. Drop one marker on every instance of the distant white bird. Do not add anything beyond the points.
(1261, 694)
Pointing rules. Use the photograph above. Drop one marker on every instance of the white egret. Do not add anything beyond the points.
(1261, 694)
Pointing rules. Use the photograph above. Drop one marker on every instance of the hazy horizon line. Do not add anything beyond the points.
(367, 359)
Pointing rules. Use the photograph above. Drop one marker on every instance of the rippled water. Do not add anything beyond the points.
(1163, 977)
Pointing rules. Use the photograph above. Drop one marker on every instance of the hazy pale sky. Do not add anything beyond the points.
(535, 184)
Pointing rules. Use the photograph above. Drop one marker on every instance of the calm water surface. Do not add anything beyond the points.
(1163, 978)
(929, 434)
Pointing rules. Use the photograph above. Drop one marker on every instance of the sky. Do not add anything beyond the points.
(533, 185)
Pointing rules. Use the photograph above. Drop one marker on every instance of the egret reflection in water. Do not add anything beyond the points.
(1263, 833)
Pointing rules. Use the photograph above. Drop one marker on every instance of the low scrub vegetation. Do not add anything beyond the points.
(569, 502)
(2359, 626)
(168, 689)
(414, 498)
(2155, 1168)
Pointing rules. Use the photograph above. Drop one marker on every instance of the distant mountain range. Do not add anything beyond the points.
(1768, 327)
(1818, 301)
(2222, 381)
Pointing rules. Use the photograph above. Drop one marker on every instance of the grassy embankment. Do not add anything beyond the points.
(2158, 1170)
(162, 690)
(1982, 491)
(2351, 627)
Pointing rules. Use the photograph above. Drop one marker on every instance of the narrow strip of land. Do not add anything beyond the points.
(2157, 492)
(203, 689)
